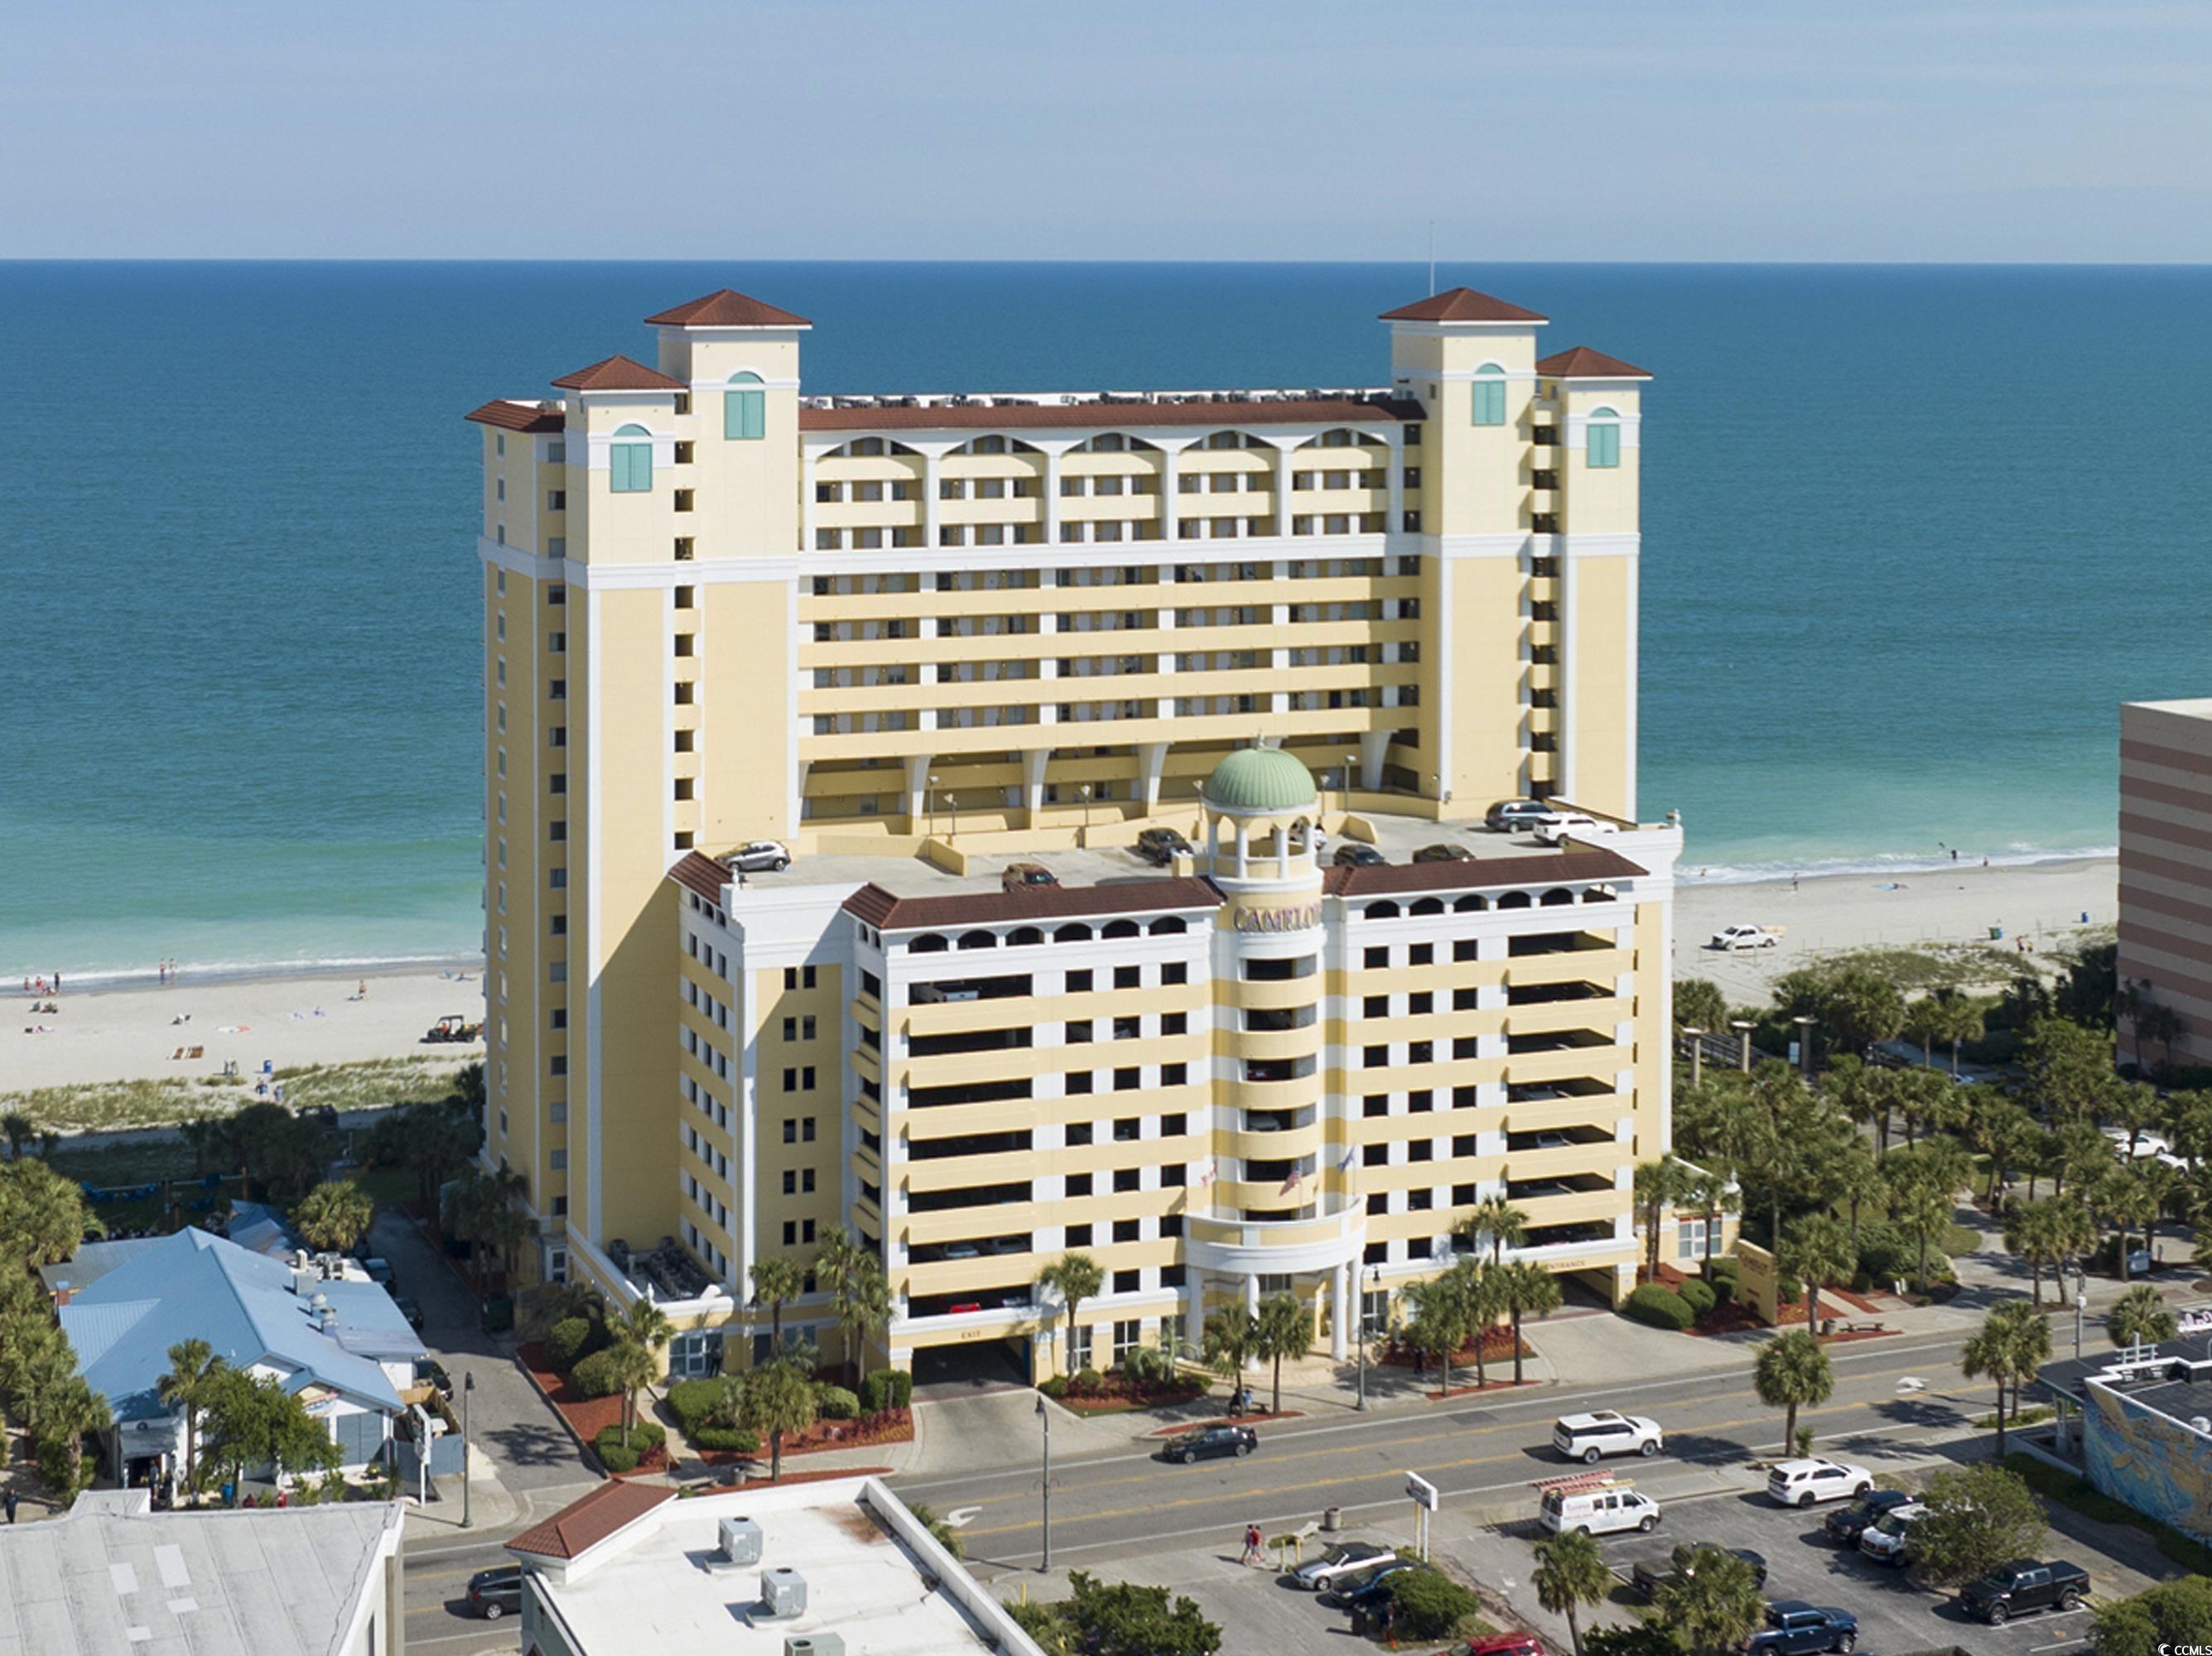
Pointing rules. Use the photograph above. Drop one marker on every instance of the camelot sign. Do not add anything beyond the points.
(1303, 918)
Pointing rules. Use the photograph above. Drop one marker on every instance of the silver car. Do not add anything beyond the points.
(769, 856)
(1339, 1560)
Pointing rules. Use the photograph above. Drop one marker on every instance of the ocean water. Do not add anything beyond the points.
(1911, 536)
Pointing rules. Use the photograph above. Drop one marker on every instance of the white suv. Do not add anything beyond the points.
(1802, 1482)
(1587, 1437)
(769, 855)
(1555, 827)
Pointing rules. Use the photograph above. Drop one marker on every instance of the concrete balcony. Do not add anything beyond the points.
(1335, 1236)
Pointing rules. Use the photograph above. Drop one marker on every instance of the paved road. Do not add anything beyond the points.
(1480, 1457)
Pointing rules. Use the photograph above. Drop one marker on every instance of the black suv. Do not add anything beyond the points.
(1847, 1524)
(1650, 1574)
(1507, 814)
(1445, 852)
(1353, 854)
(1162, 845)
(1211, 1440)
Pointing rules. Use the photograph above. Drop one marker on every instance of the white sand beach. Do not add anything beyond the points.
(2042, 902)
(132, 1035)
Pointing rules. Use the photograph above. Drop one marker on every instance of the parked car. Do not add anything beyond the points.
(759, 856)
(430, 1370)
(1889, 1540)
(495, 1592)
(1444, 852)
(1802, 1482)
(1162, 845)
(1516, 1643)
(1733, 938)
(1508, 814)
(1605, 1507)
(380, 1271)
(1369, 1587)
(1346, 1558)
(2024, 1586)
(1555, 827)
(1587, 1437)
(1847, 1524)
(410, 1310)
(1211, 1440)
(1794, 1628)
(1023, 877)
(1648, 1575)
(1353, 854)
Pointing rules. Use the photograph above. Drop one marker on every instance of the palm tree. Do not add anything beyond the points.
(640, 1329)
(1284, 1328)
(1496, 1221)
(1526, 1289)
(1925, 1021)
(1571, 1571)
(1076, 1277)
(63, 1412)
(1711, 1602)
(2139, 1317)
(863, 1306)
(193, 1366)
(2012, 1343)
(2161, 1024)
(2078, 1151)
(1964, 1020)
(1441, 1316)
(1228, 1341)
(1481, 1289)
(1818, 1251)
(1924, 1213)
(777, 1281)
(2162, 1184)
(2123, 1197)
(19, 1128)
(1792, 1372)
(779, 1398)
(1658, 1184)
(334, 1215)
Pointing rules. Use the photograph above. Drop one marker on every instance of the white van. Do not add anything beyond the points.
(1598, 1505)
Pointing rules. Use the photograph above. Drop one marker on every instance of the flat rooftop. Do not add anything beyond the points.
(1506, 858)
(108, 1577)
(657, 1583)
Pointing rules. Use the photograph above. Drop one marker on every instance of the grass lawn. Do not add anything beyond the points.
(391, 1186)
(1926, 966)
(102, 1107)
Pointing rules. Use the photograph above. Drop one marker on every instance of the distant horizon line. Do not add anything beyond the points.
(1347, 263)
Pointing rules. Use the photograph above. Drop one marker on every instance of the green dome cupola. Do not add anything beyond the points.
(1260, 780)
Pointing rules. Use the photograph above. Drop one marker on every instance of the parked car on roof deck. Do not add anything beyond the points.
(1022, 876)
(1443, 852)
(1508, 814)
(1162, 845)
(757, 856)
(1555, 827)
(1354, 854)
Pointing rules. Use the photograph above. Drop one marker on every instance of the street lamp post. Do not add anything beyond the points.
(932, 804)
(1804, 1043)
(1083, 793)
(1697, 1056)
(953, 804)
(1743, 1027)
(468, 1385)
(2081, 1296)
(1045, 1415)
(1359, 1322)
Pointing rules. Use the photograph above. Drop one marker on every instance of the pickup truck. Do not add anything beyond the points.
(1730, 938)
(2024, 1586)
(1794, 1628)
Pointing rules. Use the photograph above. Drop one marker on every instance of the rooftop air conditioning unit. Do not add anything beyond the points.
(784, 1592)
(813, 1644)
(740, 1541)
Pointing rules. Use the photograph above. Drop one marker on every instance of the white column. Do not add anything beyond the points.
(1283, 489)
(929, 502)
(1341, 1315)
(806, 501)
(1252, 1309)
(917, 788)
(1170, 509)
(1052, 496)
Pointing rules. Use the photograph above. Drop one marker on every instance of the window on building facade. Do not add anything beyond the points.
(631, 461)
(1604, 442)
(1490, 395)
(745, 411)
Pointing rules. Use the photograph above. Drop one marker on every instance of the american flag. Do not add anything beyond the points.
(1290, 1183)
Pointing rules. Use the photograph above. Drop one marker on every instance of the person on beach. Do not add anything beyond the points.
(1793, 883)
(362, 992)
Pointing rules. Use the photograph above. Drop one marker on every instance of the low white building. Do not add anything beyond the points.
(111, 1575)
(342, 1344)
(833, 1569)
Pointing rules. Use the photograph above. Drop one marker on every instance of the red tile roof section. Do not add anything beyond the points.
(1461, 305)
(1480, 874)
(519, 416)
(1111, 416)
(876, 906)
(724, 308)
(584, 1523)
(1581, 362)
(701, 874)
(619, 374)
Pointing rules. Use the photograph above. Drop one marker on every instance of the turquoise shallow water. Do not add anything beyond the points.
(1911, 536)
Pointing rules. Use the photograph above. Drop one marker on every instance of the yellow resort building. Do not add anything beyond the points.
(1000, 826)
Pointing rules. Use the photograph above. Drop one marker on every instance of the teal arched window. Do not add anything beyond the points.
(744, 408)
(631, 461)
(1490, 395)
(1604, 438)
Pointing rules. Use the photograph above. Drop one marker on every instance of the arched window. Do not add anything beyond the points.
(1470, 905)
(1119, 929)
(1490, 395)
(1604, 438)
(1514, 900)
(1557, 897)
(1022, 935)
(979, 940)
(744, 408)
(1168, 925)
(1076, 931)
(929, 942)
(1383, 911)
(630, 460)
(1427, 905)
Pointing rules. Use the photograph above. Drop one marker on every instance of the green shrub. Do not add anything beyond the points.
(1699, 1296)
(615, 1458)
(1724, 1288)
(1431, 1604)
(568, 1340)
(1055, 1388)
(594, 1376)
(643, 1436)
(1147, 1365)
(887, 1388)
(1087, 1383)
(693, 1402)
(1660, 1306)
(835, 1403)
(734, 1439)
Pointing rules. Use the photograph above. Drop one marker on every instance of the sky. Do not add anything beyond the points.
(1278, 130)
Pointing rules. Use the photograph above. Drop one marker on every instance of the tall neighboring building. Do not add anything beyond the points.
(907, 639)
(2165, 867)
